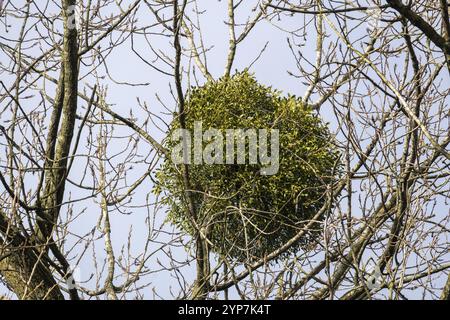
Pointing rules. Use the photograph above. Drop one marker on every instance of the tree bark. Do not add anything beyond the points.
(22, 266)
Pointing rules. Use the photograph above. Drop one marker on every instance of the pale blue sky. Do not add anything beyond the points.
(272, 68)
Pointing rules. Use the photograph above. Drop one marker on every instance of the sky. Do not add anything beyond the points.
(275, 67)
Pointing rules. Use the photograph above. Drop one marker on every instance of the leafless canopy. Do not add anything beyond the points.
(88, 88)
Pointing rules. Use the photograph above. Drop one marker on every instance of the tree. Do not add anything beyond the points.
(88, 92)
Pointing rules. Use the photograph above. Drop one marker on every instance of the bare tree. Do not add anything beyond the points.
(79, 160)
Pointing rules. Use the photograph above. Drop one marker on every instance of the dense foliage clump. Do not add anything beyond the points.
(247, 215)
